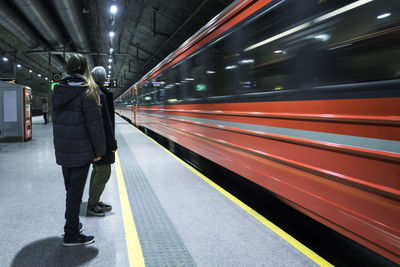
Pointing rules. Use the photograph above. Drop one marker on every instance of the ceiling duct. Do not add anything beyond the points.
(12, 23)
(73, 22)
(37, 14)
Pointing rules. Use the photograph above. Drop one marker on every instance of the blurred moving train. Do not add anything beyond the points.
(300, 97)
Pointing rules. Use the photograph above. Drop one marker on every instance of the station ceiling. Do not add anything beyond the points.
(37, 37)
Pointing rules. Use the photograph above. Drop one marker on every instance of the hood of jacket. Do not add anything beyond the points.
(70, 87)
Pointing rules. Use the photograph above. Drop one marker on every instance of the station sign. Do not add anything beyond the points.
(52, 85)
(111, 83)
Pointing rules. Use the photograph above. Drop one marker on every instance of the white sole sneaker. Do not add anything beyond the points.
(84, 240)
(78, 243)
(92, 213)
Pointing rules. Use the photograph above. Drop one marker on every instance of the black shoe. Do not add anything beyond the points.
(104, 207)
(80, 228)
(79, 240)
(96, 211)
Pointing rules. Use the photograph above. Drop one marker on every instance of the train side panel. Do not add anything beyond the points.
(318, 172)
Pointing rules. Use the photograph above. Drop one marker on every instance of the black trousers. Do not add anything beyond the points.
(74, 180)
(45, 117)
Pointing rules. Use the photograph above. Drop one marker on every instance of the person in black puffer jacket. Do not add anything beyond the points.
(102, 169)
(79, 139)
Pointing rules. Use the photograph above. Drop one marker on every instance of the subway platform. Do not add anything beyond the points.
(164, 213)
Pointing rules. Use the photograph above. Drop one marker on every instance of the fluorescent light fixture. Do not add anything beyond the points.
(382, 16)
(111, 50)
(230, 67)
(189, 79)
(278, 36)
(19, 66)
(309, 23)
(278, 51)
(110, 60)
(113, 9)
(323, 37)
(246, 61)
(342, 10)
(210, 72)
(5, 59)
(111, 34)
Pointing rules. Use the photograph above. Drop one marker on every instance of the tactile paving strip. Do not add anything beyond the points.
(160, 242)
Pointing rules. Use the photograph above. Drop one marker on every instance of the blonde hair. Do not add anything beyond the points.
(92, 87)
(77, 64)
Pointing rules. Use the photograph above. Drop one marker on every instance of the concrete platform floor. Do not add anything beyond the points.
(32, 198)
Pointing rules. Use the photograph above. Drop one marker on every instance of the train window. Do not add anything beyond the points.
(187, 80)
(177, 77)
(294, 44)
(146, 97)
(169, 88)
(198, 75)
(309, 44)
(139, 96)
(224, 57)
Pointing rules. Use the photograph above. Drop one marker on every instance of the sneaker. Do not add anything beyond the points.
(79, 240)
(104, 206)
(96, 211)
(80, 228)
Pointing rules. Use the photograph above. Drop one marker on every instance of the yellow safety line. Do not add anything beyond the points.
(135, 254)
(299, 246)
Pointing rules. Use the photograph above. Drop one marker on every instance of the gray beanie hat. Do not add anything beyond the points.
(99, 75)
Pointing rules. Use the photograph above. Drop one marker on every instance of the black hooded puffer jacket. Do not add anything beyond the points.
(77, 124)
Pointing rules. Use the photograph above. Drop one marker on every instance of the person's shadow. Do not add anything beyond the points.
(50, 252)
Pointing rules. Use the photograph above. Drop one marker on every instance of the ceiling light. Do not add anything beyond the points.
(111, 50)
(39, 75)
(109, 66)
(113, 9)
(46, 78)
(322, 37)
(279, 36)
(5, 59)
(110, 60)
(30, 71)
(342, 10)
(111, 34)
(278, 51)
(384, 16)
(309, 23)
(230, 67)
(19, 66)
(246, 61)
